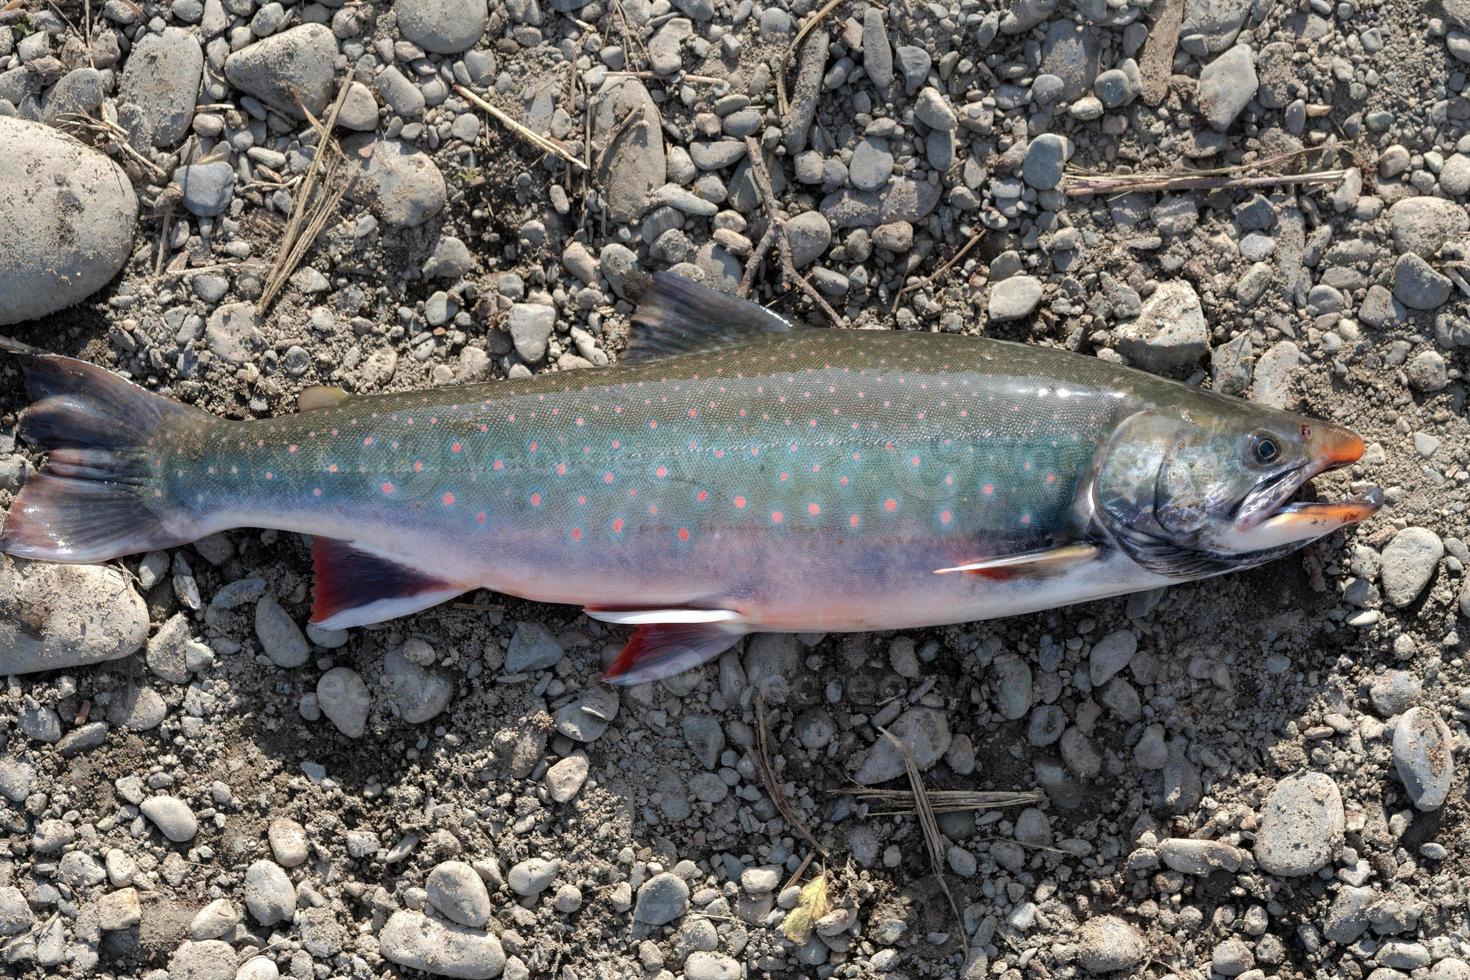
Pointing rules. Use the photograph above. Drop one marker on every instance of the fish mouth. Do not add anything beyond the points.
(1282, 509)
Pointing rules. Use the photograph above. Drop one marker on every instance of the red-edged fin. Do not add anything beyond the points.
(662, 650)
(1030, 564)
(355, 588)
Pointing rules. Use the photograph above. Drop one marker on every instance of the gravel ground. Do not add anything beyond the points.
(1252, 777)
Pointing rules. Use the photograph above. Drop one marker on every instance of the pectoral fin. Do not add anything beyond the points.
(1053, 561)
(663, 649)
(314, 397)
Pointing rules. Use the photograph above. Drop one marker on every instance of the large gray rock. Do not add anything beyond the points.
(1301, 825)
(1170, 335)
(634, 163)
(442, 26)
(161, 77)
(55, 616)
(288, 70)
(1070, 53)
(414, 940)
(1423, 758)
(401, 184)
(1423, 224)
(923, 731)
(68, 214)
(1212, 25)
(1226, 86)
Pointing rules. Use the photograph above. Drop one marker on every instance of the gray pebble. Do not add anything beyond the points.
(1045, 157)
(172, 817)
(1108, 943)
(1409, 562)
(1301, 825)
(1422, 757)
(269, 894)
(1418, 285)
(1014, 298)
(418, 693)
(532, 647)
(457, 891)
(530, 326)
(532, 876)
(279, 635)
(414, 940)
(442, 26)
(565, 778)
(1226, 86)
(923, 731)
(1170, 335)
(661, 899)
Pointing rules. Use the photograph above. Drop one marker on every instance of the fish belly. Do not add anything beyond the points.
(814, 483)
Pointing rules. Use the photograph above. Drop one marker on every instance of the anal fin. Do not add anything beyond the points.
(355, 588)
(1052, 561)
(660, 650)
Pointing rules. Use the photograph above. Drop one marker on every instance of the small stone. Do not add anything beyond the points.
(208, 959)
(161, 77)
(1422, 757)
(1110, 655)
(269, 894)
(585, 719)
(1199, 857)
(418, 692)
(565, 778)
(1014, 298)
(343, 697)
(279, 635)
(400, 183)
(1232, 957)
(288, 842)
(15, 912)
(530, 326)
(705, 965)
(933, 110)
(414, 940)
(532, 876)
(871, 165)
(172, 817)
(1108, 943)
(1427, 371)
(119, 910)
(1226, 86)
(1409, 562)
(1417, 285)
(810, 234)
(532, 647)
(1045, 157)
(1301, 825)
(215, 920)
(457, 891)
(661, 899)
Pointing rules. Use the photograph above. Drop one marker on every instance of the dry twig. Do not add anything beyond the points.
(1083, 185)
(944, 267)
(782, 105)
(321, 191)
(543, 143)
(901, 801)
(933, 840)
(776, 235)
(762, 759)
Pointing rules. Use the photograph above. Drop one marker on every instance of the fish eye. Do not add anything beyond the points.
(1264, 449)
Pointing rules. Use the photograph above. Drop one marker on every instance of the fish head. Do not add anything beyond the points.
(1212, 484)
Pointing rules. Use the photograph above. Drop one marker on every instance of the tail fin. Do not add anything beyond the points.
(97, 496)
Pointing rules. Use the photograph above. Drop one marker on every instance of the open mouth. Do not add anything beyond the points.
(1285, 508)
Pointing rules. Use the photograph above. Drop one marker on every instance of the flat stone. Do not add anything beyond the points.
(532, 876)
(172, 817)
(1045, 157)
(55, 616)
(414, 940)
(289, 70)
(1108, 943)
(871, 165)
(1423, 758)
(1422, 225)
(1014, 298)
(458, 893)
(207, 188)
(1301, 826)
(69, 214)
(419, 693)
(634, 162)
(1226, 86)
(1215, 23)
(923, 731)
(565, 778)
(161, 77)
(343, 697)
(1408, 564)
(442, 26)
(209, 959)
(119, 910)
(279, 636)
(1170, 335)
(530, 326)
(661, 899)
(810, 234)
(269, 895)
(1070, 53)
(400, 183)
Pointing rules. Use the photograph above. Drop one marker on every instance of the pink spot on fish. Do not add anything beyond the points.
(367, 440)
(854, 521)
(448, 498)
(576, 534)
(683, 534)
(455, 447)
(890, 505)
(387, 488)
(661, 472)
(480, 517)
(814, 509)
(739, 503)
(617, 525)
(535, 500)
(777, 517)
(607, 477)
(945, 517)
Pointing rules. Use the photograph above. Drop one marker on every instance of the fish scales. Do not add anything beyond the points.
(729, 474)
(683, 480)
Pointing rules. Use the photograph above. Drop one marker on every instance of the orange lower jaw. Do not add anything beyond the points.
(1336, 512)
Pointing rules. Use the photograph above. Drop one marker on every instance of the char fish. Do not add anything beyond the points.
(732, 473)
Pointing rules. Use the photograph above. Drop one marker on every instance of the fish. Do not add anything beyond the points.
(731, 473)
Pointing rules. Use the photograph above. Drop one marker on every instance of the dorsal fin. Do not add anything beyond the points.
(680, 316)
(320, 396)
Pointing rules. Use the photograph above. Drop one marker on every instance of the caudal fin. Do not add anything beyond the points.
(98, 495)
